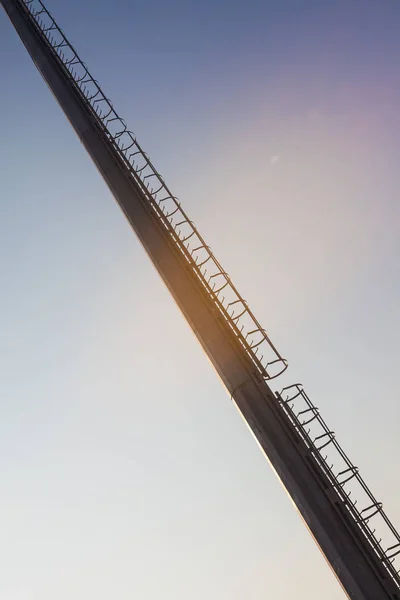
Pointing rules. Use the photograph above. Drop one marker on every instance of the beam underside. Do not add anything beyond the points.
(353, 561)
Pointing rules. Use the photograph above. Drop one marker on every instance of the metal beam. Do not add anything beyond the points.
(361, 573)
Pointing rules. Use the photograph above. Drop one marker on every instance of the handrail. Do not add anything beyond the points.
(186, 238)
(344, 477)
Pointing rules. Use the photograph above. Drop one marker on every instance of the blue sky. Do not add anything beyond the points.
(125, 469)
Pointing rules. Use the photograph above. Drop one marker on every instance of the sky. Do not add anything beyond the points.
(125, 470)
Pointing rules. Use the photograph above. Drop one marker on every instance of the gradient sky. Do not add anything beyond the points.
(125, 470)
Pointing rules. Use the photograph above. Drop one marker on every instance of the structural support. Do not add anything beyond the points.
(361, 566)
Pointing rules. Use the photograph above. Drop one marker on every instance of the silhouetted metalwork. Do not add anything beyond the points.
(198, 254)
(344, 477)
(341, 487)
